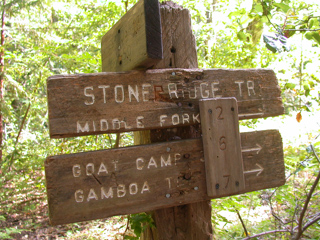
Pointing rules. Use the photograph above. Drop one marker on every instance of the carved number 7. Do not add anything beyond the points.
(228, 177)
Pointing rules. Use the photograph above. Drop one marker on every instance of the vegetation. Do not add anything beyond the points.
(41, 38)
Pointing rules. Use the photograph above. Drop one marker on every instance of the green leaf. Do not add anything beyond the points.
(285, 8)
(242, 36)
(15, 84)
(258, 8)
(313, 36)
(290, 86)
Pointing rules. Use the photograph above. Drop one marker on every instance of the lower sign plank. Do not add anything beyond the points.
(105, 183)
(87, 104)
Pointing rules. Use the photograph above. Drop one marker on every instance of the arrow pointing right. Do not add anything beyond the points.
(258, 171)
(258, 149)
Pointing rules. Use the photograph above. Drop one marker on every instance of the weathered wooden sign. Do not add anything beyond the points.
(141, 27)
(86, 104)
(92, 185)
(119, 181)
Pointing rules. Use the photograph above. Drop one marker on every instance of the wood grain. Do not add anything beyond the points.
(190, 221)
(134, 42)
(222, 146)
(149, 177)
(87, 104)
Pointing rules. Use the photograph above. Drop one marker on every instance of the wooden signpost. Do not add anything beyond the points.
(224, 162)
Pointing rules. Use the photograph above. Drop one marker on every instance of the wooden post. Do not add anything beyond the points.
(191, 221)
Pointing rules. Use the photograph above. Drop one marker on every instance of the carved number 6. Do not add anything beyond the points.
(222, 143)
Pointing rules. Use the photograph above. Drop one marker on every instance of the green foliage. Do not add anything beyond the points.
(139, 222)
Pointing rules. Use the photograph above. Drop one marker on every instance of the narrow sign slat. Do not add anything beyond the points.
(135, 40)
(222, 146)
(100, 184)
(89, 104)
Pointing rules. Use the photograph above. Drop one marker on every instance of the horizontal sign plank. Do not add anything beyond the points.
(135, 40)
(92, 185)
(88, 104)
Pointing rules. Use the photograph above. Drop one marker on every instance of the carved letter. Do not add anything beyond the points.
(140, 166)
(250, 86)
(165, 163)
(92, 195)
(195, 93)
(174, 90)
(104, 92)
(133, 188)
(139, 123)
(76, 170)
(152, 162)
(177, 157)
(162, 117)
(108, 195)
(185, 118)
(175, 119)
(82, 129)
(102, 169)
(135, 93)
(89, 169)
(195, 118)
(204, 93)
(102, 123)
(214, 89)
(91, 95)
(78, 195)
(121, 99)
(144, 92)
(145, 187)
(239, 84)
(116, 124)
(121, 190)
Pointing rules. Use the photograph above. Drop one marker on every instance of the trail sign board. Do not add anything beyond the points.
(104, 183)
(86, 104)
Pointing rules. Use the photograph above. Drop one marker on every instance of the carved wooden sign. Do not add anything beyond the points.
(92, 185)
(100, 184)
(87, 104)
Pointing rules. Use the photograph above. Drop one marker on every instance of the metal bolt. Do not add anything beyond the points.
(210, 111)
(217, 186)
(187, 155)
(232, 109)
(237, 183)
(168, 149)
(196, 188)
(173, 73)
(168, 195)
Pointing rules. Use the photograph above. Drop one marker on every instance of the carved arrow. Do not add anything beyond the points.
(258, 171)
(258, 149)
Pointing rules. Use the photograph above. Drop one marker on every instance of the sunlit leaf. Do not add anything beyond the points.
(285, 8)
(299, 117)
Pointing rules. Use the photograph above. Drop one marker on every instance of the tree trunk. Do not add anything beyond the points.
(1, 77)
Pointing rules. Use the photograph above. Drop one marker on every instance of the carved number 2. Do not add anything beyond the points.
(220, 113)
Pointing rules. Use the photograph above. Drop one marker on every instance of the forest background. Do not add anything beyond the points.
(41, 38)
